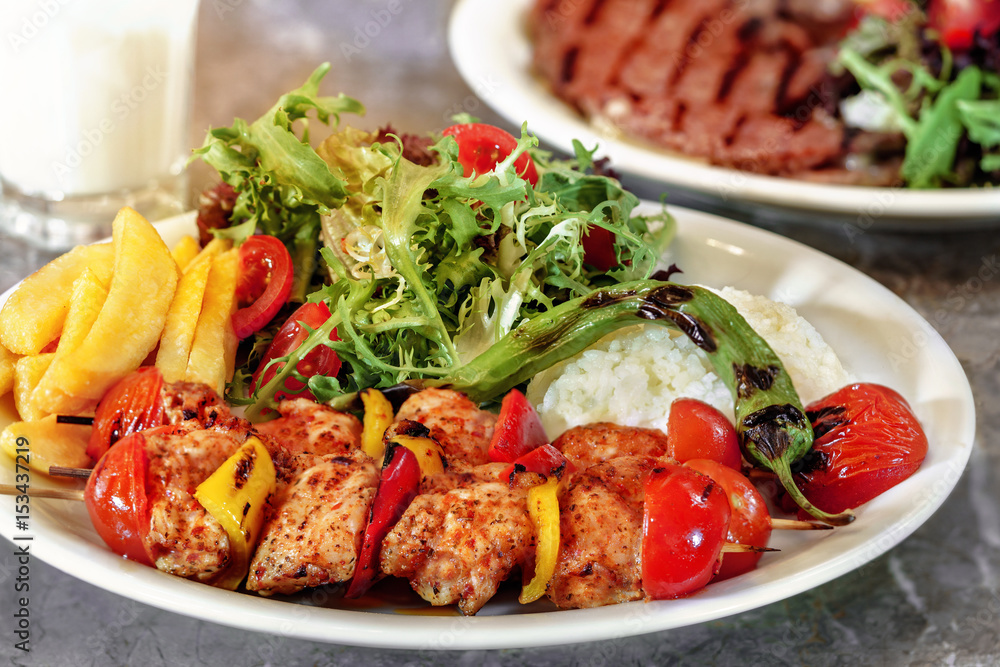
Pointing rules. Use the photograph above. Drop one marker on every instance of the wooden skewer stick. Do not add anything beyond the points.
(62, 471)
(734, 548)
(795, 524)
(59, 494)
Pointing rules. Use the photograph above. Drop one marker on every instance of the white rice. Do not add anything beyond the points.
(633, 375)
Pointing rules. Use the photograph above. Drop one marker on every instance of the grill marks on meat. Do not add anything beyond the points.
(738, 83)
(461, 428)
(458, 544)
(315, 534)
(591, 444)
(184, 539)
(600, 559)
(318, 515)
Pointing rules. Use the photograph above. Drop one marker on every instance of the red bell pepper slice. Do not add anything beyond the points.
(115, 497)
(132, 404)
(518, 429)
(266, 277)
(544, 460)
(397, 488)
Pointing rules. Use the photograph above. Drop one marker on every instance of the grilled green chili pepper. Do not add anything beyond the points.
(770, 418)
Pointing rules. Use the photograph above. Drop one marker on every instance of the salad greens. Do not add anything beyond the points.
(933, 111)
(424, 268)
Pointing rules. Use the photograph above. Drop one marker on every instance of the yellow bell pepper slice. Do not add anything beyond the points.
(378, 417)
(428, 453)
(543, 508)
(236, 495)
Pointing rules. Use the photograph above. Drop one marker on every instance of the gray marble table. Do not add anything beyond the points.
(934, 599)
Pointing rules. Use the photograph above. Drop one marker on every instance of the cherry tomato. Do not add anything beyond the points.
(518, 429)
(957, 21)
(684, 526)
(134, 403)
(482, 146)
(867, 441)
(321, 360)
(264, 285)
(599, 248)
(115, 497)
(696, 430)
(750, 522)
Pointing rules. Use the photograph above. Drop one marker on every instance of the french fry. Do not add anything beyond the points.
(213, 352)
(129, 325)
(7, 361)
(33, 316)
(49, 443)
(86, 301)
(184, 251)
(182, 318)
(27, 373)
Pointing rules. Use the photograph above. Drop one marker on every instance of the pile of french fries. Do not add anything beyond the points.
(90, 317)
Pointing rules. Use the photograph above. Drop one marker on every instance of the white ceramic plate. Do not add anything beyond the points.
(490, 46)
(877, 335)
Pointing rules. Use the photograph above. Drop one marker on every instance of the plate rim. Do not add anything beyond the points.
(513, 92)
(71, 553)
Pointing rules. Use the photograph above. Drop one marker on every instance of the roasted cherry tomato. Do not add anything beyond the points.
(958, 21)
(696, 430)
(133, 404)
(749, 522)
(482, 146)
(321, 360)
(264, 285)
(867, 441)
(685, 521)
(115, 497)
(518, 429)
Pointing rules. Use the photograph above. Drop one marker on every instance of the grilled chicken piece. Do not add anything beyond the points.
(315, 534)
(184, 539)
(462, 429)
(185, 401)
(590, 444)
(307, 426)
(600, 559)
(458, 544)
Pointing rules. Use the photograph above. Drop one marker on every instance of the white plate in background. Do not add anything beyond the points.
(490, 46)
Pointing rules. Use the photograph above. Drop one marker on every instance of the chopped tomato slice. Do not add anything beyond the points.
(599, 248)
(321, 360)
(133, 404)
(518, 429)
(264, 285)
(958, 21)
(696, 430)
(115, 497)
(685, 521)
(749, 523)
(481, 147)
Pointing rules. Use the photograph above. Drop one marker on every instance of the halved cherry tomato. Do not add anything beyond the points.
(867, 441)
(685, 521)
(397, 487)
(599, 248)
(696, 430)
(321, 360)
(518, 429)
(265, 282)
(958, 21)
(482, 146)
(749, 523)
(115, 497)
(133, 404)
